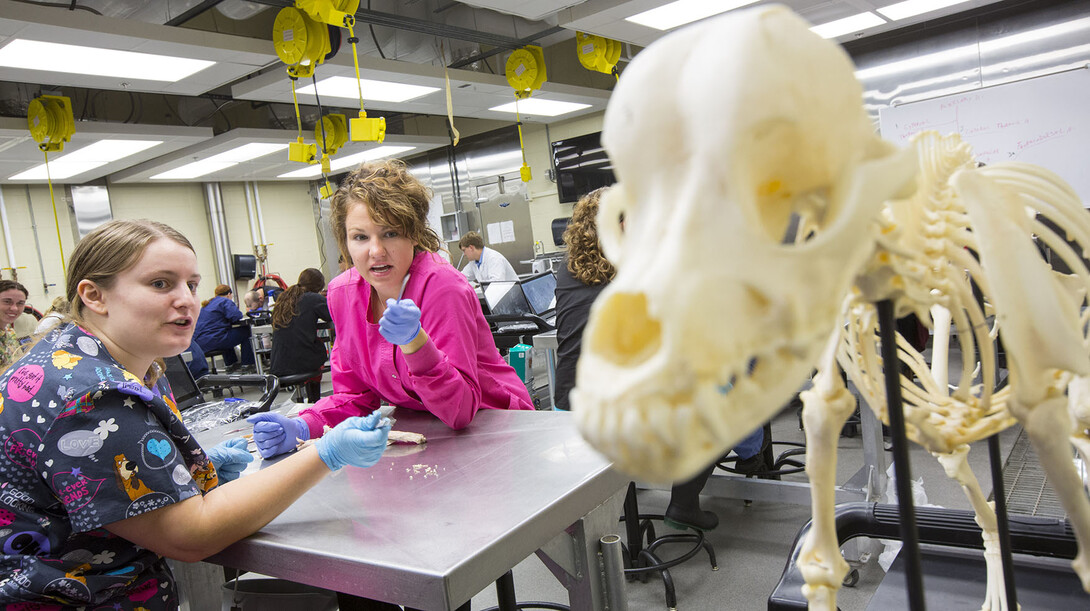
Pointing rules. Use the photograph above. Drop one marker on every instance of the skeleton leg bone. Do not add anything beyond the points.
(826, 407)
(1045, 423)
(956, 465)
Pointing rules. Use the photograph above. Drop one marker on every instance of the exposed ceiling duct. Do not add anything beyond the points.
(408, 31)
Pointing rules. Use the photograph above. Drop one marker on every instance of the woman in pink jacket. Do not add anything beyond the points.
(409, 327)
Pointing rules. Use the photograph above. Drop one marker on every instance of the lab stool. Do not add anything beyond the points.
(309, 382)
(640, 560)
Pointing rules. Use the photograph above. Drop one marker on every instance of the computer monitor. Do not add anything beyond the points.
(505, 297)
(540, 293)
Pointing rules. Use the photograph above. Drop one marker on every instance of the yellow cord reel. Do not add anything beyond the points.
(597, 53)
(51, 123)
(300, 42)
(525, 70)
(331, 133)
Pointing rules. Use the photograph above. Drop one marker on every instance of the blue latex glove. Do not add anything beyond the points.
(400, 322)
(230, 459)
(356, 441)
(276, 434)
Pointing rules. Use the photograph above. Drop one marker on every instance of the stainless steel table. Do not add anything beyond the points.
(430, 526)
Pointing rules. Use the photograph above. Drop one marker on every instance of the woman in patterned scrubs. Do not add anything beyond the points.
(99, 478)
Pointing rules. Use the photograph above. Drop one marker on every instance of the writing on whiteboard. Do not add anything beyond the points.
(1042, 121)
(1049, 135)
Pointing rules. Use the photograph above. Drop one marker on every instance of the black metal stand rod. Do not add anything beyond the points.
(999, 493)
(632, 525)
(910, 538)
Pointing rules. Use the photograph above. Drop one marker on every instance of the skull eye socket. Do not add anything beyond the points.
(625, 333)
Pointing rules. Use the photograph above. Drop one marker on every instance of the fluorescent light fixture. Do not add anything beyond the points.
(376, 91)
(86, 159)
(350, 161)
(540, 107)
(221, 161)
(669, 16)
(911, 8)
(74, 59)
(847, 25)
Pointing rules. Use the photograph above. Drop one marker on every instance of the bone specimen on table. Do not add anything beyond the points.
(405, 437)
(741, 147)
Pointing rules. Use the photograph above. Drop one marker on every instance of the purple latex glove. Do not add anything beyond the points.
(400, 322)
(277, 434)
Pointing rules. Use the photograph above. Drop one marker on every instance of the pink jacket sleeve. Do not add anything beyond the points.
(444, 373)
(351, 397)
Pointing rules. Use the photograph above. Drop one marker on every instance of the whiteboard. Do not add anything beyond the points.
(1044, 121)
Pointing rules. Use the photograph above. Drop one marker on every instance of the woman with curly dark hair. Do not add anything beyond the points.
(582, 277)
(584, 274)
(296, 347)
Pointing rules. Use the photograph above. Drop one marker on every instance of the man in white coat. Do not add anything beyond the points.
(485, 264)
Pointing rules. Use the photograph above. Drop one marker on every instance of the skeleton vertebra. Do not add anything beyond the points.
(699, 341)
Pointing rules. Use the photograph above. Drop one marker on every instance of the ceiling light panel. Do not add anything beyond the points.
(93, 61)
(473, 94)
(95, 151)
(680, 12)
(200, 61)
(222, 161)
(539, 107)
(911, 8)
(373, 91)
(848, 25)
(85, 159)
(246, 154)
(350, 161)
(609, 17)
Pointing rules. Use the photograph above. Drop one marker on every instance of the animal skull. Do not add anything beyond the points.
(720, 134)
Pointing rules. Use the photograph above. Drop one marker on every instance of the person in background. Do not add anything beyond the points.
(254, 301)
(13, 298)
(579, 281)
(217, 330)
(53, 316)
(93, 529)
(485, 264)
(410, 329)
(296, 347)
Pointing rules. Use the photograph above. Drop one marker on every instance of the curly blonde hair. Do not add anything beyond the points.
(393, 197)
(585, 259)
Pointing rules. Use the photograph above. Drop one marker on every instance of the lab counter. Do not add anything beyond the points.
(430, 526)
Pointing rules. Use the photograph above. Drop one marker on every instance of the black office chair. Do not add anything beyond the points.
(309, 382)
(509, 330)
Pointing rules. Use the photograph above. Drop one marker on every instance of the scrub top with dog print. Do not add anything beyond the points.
(86, 443)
